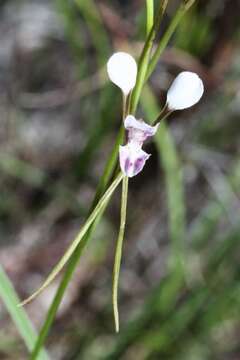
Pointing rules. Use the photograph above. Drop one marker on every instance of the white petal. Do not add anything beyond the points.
(122, 71)
(185, 91)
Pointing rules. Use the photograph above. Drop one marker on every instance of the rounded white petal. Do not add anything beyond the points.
(185, 91)
(122, 71)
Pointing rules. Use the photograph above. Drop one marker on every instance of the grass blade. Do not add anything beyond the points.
(18, 315)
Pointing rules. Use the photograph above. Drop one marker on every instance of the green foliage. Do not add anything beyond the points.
(18, 315)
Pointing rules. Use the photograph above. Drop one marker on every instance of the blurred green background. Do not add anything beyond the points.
(59, 120)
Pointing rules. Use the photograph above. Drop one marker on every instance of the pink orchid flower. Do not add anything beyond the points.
(132, 157)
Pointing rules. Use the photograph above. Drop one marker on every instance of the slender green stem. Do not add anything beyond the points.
(162, 116)
(129, 99)
(18, 315)
(125, 105)
(183, 8)
(145, 58)
(118, 254)
(150, 15)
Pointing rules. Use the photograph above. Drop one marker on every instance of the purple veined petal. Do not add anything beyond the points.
(132, 159)
(139, 126)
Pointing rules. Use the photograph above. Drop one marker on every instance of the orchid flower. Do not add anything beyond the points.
(132, 157)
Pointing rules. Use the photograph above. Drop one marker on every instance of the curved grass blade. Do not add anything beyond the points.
(77, 240)
(118, 254)
(18, 315)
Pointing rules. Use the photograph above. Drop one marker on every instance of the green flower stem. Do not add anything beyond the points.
(118, 254)
(150, 15)
(124, 105)
(129, 99)
(18, 315)
(145, 58)
(183, 8)
(162, 116)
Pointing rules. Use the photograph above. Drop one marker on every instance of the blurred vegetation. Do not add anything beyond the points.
(59, 120)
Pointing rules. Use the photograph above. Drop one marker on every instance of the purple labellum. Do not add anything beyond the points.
(132, 159)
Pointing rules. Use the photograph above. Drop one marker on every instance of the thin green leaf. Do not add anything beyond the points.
(118, 254)
(77, 240)
(18, 315)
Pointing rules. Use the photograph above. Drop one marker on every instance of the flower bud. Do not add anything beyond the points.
(122, 71)
(185, 91)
